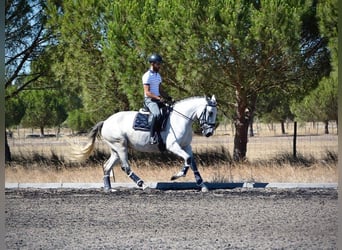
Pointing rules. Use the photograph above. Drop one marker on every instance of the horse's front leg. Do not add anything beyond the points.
(181, 173)
(176, 149)
(197, 174)
(188, 157)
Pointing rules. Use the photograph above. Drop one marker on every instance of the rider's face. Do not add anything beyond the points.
(156, 66)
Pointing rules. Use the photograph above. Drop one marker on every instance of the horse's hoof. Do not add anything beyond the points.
(178, 175)
(204, 188)
(144, 186)
(174, 178)
(141, 184)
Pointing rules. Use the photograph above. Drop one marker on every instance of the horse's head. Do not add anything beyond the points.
(207, 117)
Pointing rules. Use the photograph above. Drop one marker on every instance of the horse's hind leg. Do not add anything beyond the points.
(127, 169)
(107, 167)
(122, 153)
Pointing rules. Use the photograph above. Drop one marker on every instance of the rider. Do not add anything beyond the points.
(154, 95)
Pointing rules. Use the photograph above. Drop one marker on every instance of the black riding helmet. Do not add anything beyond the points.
(155, 58)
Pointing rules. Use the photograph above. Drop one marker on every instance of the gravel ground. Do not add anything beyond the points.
(151, 219)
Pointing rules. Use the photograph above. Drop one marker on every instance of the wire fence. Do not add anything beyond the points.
(268, 140)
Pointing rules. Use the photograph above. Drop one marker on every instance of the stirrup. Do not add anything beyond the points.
(154, 140)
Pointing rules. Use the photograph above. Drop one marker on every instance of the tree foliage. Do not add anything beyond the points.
(14, 111)
(238, 50)
(274, 106)
(253, 48)
(79, 121)
(26, 38)
(321, 104)
(78, 60)
(256, 47)
(44, 108)
(328, 17)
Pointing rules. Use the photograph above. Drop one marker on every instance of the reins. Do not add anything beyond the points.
(188, 118)
(199, 118)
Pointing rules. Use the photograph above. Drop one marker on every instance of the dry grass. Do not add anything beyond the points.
(269, 160)
(316, 173)
(215, 166)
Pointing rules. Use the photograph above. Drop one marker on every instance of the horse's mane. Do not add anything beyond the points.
(188, 99)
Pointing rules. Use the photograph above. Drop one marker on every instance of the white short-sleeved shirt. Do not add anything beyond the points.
(154, 80)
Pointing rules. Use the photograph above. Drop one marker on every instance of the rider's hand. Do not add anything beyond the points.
(168, 99)
(171, 100)
(161, 99)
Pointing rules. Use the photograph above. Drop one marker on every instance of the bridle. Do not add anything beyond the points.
(202, 118)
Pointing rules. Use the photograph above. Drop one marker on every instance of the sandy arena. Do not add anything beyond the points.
(152, 219)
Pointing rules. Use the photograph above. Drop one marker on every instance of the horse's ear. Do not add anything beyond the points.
(213, 99)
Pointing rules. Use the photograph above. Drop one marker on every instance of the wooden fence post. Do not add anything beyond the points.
(295, 140)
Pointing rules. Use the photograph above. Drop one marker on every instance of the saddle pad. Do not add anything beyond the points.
(141, 122)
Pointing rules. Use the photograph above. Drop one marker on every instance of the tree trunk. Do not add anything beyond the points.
(326, 127)
(8, 156)
(251, 130)
(240, 140)
(244, 111)
(41, 131)
(282, 127)
(241, 133)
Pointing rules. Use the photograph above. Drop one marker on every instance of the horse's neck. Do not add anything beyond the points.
(189, 108)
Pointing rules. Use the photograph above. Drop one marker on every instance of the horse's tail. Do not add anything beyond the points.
(86, 151)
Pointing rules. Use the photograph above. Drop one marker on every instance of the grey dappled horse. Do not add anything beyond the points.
(117, 131)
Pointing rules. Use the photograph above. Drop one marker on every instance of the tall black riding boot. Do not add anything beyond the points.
(153, 137)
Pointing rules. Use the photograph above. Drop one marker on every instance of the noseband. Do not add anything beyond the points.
(202, 118)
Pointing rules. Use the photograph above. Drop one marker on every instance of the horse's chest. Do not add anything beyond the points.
(186, 139)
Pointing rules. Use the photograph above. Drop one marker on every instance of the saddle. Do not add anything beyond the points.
(142, 120)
